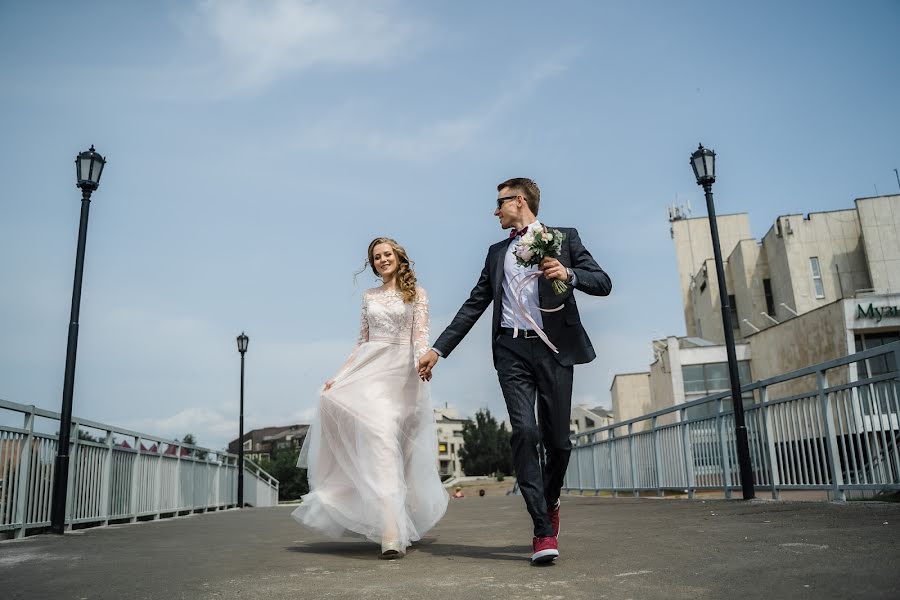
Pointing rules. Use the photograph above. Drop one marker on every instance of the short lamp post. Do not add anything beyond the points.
(703, 160)
(242, 342)
(88, 168)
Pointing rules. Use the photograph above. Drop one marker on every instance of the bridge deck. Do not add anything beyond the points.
(611, 548)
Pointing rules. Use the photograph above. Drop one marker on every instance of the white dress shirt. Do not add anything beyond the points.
(513, 276)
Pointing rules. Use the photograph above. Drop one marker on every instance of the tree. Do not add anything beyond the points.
(486, 449)
(292, 481)
(190, 439)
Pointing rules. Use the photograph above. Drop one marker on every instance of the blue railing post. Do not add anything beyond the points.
(769, 432)
(657, 457)
(632, 461)
(21, 510)
(723, 448)
(837, 477)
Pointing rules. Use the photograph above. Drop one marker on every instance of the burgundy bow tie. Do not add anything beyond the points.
(518, 232)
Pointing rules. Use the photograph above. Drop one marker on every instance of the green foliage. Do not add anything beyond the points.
(292, 481)
(486, 449)
(190, 439)
(85, 436)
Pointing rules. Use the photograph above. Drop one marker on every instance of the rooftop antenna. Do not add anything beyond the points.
(678, 212)
(897, 175)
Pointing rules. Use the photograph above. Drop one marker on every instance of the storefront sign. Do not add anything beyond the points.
(877, 312)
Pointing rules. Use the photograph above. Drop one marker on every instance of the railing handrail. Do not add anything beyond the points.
(156, 477)
(839, 437)
(804, 372)
(49, 414)
(259, 470)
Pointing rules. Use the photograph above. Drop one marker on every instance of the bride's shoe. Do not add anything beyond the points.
(391, 550)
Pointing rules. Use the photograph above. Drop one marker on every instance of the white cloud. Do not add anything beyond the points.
(426, 141)
(260, 42)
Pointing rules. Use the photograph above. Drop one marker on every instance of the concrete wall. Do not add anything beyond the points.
(747, 268)
(880, 226)
(803, 341)
(693, 247)
(630, 394)
(835, 238)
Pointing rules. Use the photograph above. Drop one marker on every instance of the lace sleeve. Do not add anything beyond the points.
(420, 324)
(363, 323)
(363, 337)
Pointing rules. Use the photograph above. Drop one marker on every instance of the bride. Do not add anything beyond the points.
(371, 451)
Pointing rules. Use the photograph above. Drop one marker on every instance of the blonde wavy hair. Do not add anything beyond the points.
(406, 277)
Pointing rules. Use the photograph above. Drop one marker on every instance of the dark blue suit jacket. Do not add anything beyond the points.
(563, 327)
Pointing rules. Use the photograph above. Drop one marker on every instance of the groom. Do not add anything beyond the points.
(528, 370)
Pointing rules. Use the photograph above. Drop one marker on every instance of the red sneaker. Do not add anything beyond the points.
(545, 550)
(553, 513)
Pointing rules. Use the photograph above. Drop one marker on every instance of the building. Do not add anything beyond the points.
(450, 441)
(630, 394)
(585, 418)
(268, 441)
(814, 288)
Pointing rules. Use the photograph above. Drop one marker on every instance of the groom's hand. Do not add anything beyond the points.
(426, 363)
(553, 269)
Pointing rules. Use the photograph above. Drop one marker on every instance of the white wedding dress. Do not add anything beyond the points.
(371, 449)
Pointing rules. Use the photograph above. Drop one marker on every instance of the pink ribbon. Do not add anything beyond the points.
(523, 313)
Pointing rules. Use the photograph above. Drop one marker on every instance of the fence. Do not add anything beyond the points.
(111, 479)
(834, 438)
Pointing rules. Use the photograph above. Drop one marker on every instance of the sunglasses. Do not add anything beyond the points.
(503, 199)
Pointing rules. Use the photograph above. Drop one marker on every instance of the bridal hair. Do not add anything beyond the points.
(528, 187)
(406, 277)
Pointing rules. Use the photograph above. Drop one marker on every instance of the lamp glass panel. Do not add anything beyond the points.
(96, 169)
(698, 167)
(85, 168)
(710, 165)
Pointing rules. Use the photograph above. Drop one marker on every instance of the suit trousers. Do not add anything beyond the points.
(530, 376)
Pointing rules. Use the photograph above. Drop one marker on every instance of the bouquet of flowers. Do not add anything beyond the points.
(537, 244)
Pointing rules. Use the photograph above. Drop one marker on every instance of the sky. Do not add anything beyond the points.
(255, 148)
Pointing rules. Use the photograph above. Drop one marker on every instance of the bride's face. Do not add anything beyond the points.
(385, 260)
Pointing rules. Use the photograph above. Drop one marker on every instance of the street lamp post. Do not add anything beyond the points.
(704, 163)
(242, 341)
(88, 167)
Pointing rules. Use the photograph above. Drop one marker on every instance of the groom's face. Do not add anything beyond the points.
(508, 202)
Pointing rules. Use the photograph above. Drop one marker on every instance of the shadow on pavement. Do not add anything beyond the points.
(357, 550)
(514, 553)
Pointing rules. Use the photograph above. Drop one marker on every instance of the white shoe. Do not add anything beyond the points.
(391, 550)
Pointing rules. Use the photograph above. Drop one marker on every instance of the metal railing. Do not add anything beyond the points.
(115, 475)
(835, 438)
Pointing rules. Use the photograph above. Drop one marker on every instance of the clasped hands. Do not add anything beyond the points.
(426, 364)
(552, 268)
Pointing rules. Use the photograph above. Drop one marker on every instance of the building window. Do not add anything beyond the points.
(732, 312)
(817, 276)
(770, 299)
(704, 380)
(588, 422)
(875, 398)
(442, 448)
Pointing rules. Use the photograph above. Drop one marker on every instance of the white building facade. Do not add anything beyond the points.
(814, 288)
